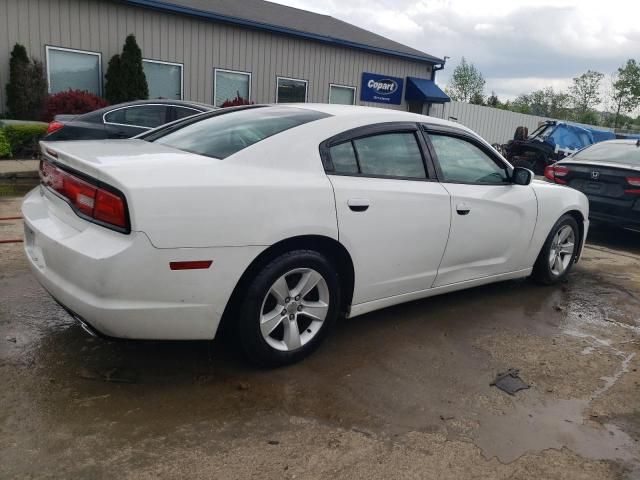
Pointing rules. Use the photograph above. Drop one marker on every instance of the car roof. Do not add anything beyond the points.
(380, 114)
(96, 115)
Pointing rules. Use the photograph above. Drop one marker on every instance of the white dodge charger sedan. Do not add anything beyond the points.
(274, 220)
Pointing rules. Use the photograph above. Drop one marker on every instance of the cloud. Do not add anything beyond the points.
(518, 45)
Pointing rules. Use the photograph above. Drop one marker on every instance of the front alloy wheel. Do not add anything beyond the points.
(562, 249)
(289, 308)
(558, 253)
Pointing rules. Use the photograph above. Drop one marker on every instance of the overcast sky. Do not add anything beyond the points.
(518, 45)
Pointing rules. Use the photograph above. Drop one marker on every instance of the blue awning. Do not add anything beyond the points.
(423, 90)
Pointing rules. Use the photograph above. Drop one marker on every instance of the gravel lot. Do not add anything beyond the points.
(400, 393)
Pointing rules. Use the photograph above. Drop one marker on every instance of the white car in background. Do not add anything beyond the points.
(276, 219)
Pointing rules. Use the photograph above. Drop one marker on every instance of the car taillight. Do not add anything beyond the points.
(54, 126)
(552, 172)
(90, 201)
(634, 182)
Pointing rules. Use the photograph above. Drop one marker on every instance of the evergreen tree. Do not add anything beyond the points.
(115, 88)
(132, 74)
(27, 87)
(17, 97)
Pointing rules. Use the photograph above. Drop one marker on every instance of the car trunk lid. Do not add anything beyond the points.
(601, 179)
(106, 159)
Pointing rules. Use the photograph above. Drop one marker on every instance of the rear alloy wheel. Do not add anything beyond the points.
(289, 308)
(558, 253)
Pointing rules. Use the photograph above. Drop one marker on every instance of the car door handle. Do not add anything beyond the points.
(358, 204)
(463, 209)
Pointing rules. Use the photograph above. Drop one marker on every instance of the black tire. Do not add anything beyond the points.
(253, 344)
(542, 272)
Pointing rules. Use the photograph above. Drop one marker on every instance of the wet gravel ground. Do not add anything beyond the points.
(399, 393)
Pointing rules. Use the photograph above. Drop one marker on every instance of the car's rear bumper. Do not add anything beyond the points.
(618, 212)
(121, 285)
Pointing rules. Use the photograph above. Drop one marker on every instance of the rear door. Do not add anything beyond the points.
(393, 215)
(130, 121)
(492, 220)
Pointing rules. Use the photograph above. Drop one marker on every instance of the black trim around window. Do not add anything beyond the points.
(370, 131)
(445, 130)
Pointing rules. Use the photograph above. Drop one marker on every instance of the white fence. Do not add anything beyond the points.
(492, 124)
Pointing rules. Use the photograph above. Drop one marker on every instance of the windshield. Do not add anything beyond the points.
(222, 135)
(616, 152)
(543, 131)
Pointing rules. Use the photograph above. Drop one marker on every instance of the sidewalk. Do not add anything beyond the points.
(11, 169)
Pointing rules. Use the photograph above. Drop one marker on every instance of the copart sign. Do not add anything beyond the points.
(381, 88)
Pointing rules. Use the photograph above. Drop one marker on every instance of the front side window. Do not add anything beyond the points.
(463, 162)
(291, 90)
(224, 133)
(74, 69)
(229, 86)
(148, 116)
(342, 95)
(164, 79)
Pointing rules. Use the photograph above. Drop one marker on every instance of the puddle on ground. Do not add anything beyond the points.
(555, 424)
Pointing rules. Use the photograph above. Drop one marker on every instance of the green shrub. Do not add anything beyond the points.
(23, 138)
(5, 148)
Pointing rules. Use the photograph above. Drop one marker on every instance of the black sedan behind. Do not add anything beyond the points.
(123, 120)
(608, 173)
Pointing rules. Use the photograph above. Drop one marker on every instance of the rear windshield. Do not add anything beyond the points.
(224, 134)
(616, 152)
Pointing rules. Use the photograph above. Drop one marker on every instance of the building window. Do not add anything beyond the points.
(164, 79)
(229, 85)
(342, 94)
(73, 69)
(291, 90)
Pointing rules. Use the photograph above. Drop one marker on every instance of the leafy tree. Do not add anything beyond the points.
(467, 82)
(585, 95)
(625, 90)
(544, 102)
(27, 87)
(115, 90)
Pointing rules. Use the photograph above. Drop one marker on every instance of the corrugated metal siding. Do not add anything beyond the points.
(102, 25)
(492, 124)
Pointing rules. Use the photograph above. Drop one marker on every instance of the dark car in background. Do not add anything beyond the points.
(608, 173)
(123, 120)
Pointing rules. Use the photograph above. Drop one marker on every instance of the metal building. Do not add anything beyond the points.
(215, 50)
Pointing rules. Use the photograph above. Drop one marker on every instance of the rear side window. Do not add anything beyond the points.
(344, 158)
(184, 112)
(391, 155)
(149, 116)
(224, 134)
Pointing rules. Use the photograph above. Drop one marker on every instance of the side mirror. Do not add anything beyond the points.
(521, 176)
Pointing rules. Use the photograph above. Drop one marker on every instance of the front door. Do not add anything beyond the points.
(392, 215)
(492, 219)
